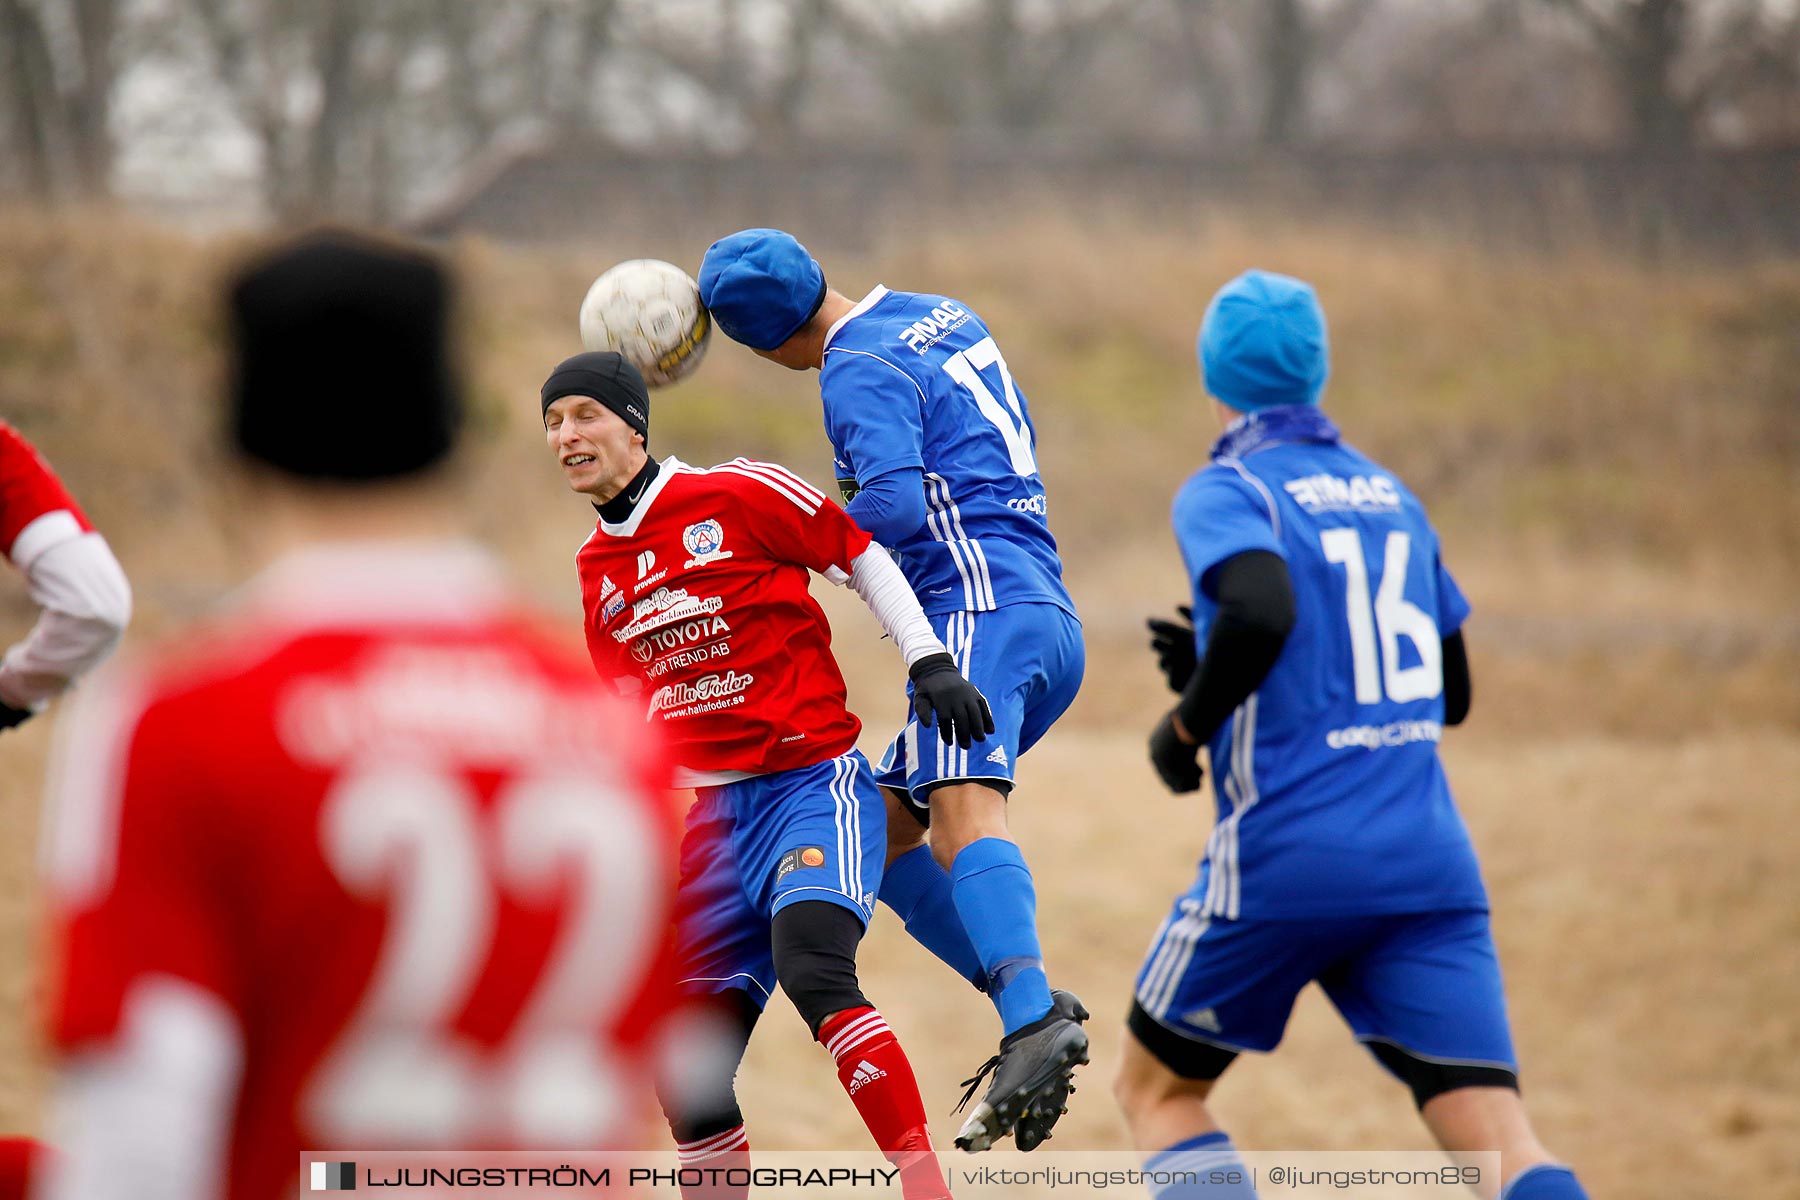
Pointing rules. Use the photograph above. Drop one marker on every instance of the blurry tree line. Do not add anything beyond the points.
(362, 108)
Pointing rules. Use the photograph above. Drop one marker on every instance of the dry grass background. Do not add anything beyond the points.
(1611, 451)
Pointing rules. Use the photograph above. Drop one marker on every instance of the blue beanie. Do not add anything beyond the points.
(1263, 343)
(761, 286)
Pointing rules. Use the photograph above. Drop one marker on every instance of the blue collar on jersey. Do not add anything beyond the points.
(1270, 426)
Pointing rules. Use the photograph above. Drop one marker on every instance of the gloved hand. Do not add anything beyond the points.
(1175, 758)
(10, 716)
(1173, 642)
(943, 697)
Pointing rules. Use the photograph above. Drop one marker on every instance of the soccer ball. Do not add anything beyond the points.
(650, 312)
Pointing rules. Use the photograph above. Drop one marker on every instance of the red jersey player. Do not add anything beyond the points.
(368, 863)
(71, 574)
(694, 585)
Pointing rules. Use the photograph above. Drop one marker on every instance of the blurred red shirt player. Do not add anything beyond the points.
(74, 579)
(365, 864)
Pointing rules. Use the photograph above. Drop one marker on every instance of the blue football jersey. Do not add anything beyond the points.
(914, 380)
(1331, 797)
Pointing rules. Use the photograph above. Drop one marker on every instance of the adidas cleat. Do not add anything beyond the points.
(1048, 1106)
(1032, 1059)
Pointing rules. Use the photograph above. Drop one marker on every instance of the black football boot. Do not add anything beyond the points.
(1034, 1125)
(1032, 1059)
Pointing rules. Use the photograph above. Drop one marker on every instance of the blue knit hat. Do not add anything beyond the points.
(1263, 343)
(761, 286)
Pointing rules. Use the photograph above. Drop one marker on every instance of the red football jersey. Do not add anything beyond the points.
(405, 838)
(29, 489)
(699, 603)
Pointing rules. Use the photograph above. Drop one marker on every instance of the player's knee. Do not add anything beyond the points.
(815, 959)
(1428, 1079)
(1157, 1071)
(1132, 1089)
(1142, 1082)
(688, 1127)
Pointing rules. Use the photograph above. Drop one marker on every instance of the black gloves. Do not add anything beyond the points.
(1173, 642)
(10, 716)
(1175, 759)
(941, 696)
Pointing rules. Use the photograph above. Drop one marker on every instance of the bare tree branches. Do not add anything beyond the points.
(59, 92)
(25, 65)
(1667, 68)
(362, 109)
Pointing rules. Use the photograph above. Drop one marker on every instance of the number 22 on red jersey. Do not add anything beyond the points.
(434, 904)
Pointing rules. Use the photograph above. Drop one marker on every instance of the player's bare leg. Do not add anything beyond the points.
(1171, 1124)
(1043, 1041)
(963, 813)
(1483, 1118)
(1160, 1107)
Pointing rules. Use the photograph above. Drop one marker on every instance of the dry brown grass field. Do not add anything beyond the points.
(1611, 451)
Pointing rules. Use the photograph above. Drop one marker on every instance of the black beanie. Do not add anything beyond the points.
(606, 377)
(342, 364)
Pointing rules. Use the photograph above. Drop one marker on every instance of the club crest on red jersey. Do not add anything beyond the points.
(705, 540)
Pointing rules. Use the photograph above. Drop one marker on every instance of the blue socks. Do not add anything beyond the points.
(919, 890)
(992, 888)
(1546, 1181)
(1219, 1173)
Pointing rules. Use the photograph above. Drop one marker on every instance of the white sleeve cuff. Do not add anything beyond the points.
(40, 533)
(875, 578)
(87, 603)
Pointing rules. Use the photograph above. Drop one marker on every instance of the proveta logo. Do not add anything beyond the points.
(645, 561)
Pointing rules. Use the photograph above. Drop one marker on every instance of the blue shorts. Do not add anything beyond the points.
(756, 846)
(1426, 983)
(1028, 660)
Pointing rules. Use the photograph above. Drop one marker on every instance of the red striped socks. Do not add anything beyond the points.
(722, 1152)
(879, 1080)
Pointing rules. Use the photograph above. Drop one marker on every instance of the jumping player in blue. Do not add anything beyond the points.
(1333, 659)
(936, 458)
